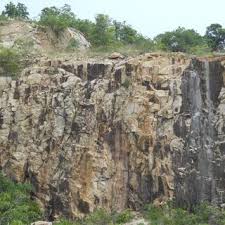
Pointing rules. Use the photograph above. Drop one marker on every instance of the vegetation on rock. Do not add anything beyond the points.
(108, 34)
(16, 206)
(58, 19)
(180, 40)
(168, 215)
(9, 62)
(215, 36)
(101, 217)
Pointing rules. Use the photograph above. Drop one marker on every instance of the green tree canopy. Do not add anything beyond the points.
(58, 19)
(215, 36)
(125, 33)
(179, 40)
(16, 11)
(103, 32)
(85, 26)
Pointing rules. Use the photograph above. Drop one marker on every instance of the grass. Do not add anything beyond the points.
(203, 214)
(16, 206)
(100, 217)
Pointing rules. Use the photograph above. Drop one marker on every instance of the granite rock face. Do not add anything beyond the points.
(116, 133)
(199, 166)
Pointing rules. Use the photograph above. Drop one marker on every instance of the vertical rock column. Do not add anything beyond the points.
(195, 179)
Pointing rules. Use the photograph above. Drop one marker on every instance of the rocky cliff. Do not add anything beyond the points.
(35, 38)
(116, 133)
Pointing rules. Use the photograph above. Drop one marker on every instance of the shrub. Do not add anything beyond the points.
(100, 217)
(58, 19)
(123, 217)
(201, 50)
(210, 214)
(126, 83)
(73, 44)
(3, 18)
(16, 207)
(9, 62)
(203, 214)
(65, 222)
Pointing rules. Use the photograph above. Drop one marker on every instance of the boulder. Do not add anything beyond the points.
(42, 223)
(116, 55)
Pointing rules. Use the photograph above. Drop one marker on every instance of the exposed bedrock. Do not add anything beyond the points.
(116, 133)
(199, 166)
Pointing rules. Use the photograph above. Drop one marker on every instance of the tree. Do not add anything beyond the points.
(118, 27)
(85, 26)
(215, 36)
(16, 11)
(22, 11)
(125, 33)
(10, 10)
(128, 35)
(103, 32)
(179, 40)
(58, 19)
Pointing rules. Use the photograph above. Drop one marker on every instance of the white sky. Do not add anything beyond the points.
(150, 17)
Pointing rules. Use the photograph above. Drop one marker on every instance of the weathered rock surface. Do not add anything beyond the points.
(41, 223)
(116, 55)
(116, 134)
(13, 33)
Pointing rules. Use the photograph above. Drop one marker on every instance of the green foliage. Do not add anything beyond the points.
(107, 35)
(16, 207)
(103, 32)
(201, 50)
(123, 217)
(100, 217)
(126, 83)
(73, 44)
(23, 47)
(167, 215)
(207, 213)
(16, 11)
(180, 40)
(85, 26)
(3, 18)
(64, 222)
(125, 33)
(58, 19)
(9, 62)
(215, 36)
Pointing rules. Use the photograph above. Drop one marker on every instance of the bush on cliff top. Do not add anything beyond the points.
(58, 19)
(16, 206)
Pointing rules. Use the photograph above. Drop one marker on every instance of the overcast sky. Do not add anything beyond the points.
(150, 17)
